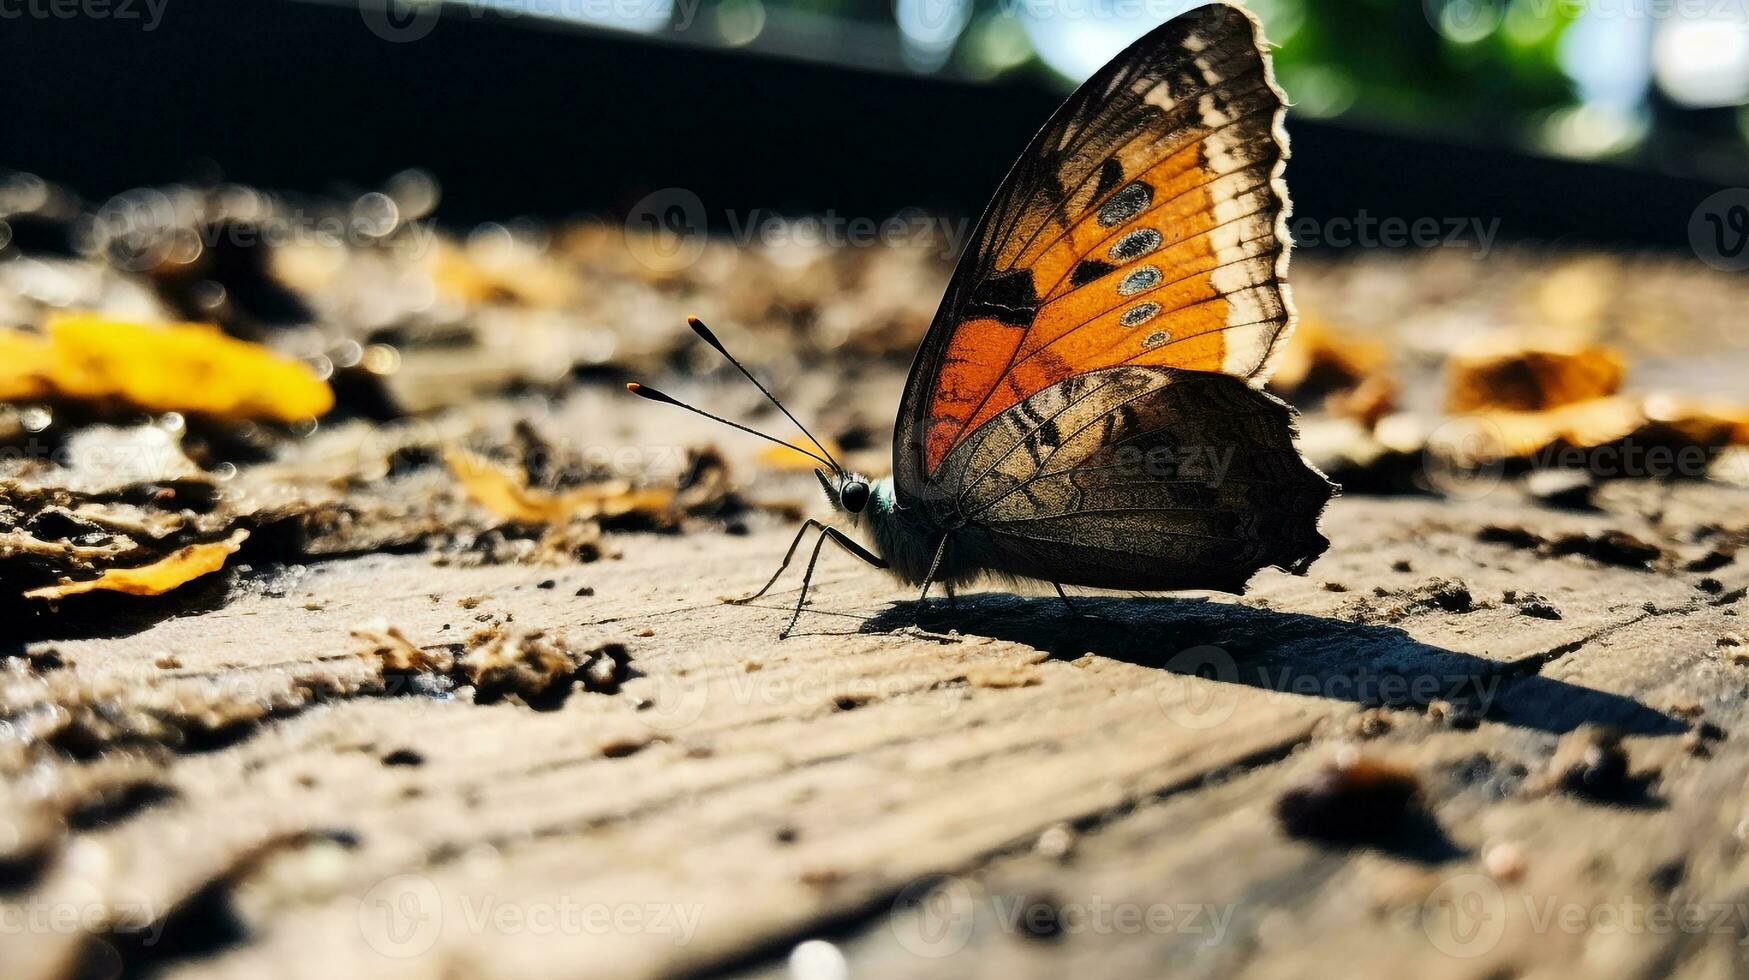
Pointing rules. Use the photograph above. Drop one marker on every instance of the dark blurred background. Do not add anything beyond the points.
(1598, 122)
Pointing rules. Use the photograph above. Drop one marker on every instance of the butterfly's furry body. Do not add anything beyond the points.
(909, 540)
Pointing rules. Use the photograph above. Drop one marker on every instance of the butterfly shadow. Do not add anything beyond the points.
(1289, 653)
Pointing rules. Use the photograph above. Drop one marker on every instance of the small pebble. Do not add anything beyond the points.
(1505, 862)
(1056, 843)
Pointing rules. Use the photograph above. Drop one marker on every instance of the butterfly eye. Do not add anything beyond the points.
(855, 497)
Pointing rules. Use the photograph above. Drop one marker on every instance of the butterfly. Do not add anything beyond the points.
(1086, 407)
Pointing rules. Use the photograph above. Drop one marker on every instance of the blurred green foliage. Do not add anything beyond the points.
(1426, 62)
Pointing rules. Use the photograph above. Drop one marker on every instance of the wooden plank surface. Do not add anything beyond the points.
(242, 791)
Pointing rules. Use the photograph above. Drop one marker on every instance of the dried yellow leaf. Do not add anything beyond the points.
(171, 367)
(501, 271)
(784, 458)
(24, 366)
(161, 576)
(506, 493)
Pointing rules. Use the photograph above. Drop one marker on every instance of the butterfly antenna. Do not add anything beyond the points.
(705, 334)
(645, 391)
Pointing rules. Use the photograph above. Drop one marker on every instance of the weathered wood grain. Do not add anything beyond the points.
(739, 794)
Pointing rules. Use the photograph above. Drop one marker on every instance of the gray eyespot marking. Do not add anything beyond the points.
(1156, 338)
(1137, 315)
(1135, 244)
(1147, 277)
(1125, 204)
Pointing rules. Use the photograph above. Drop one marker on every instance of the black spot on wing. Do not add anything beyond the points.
(1110, 173)
(1007, 297)
(1088, 270)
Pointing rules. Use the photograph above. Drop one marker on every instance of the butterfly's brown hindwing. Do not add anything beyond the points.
(1143, 225)
(1144, 478)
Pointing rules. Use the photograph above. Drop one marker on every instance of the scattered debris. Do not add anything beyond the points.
(1532, 604)
(1370, 723)
(539, 668)
(1437, 594)
(1567, 489)
(1713, 560)
(1453, 715)
(1351, 801)
(1610, 547)
(1591, 762)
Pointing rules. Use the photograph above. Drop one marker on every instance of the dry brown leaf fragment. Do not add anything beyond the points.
(1319, 360)
(1367, 402)
(176, 569)
(158, 367)
(1501, 375)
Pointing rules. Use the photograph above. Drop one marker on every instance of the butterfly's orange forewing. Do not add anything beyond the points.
(1144, 226)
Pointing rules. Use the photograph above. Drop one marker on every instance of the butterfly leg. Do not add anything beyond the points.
(807, 525)
(934, 566)
(1073, 609)
(807, 578)
(842, 540)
